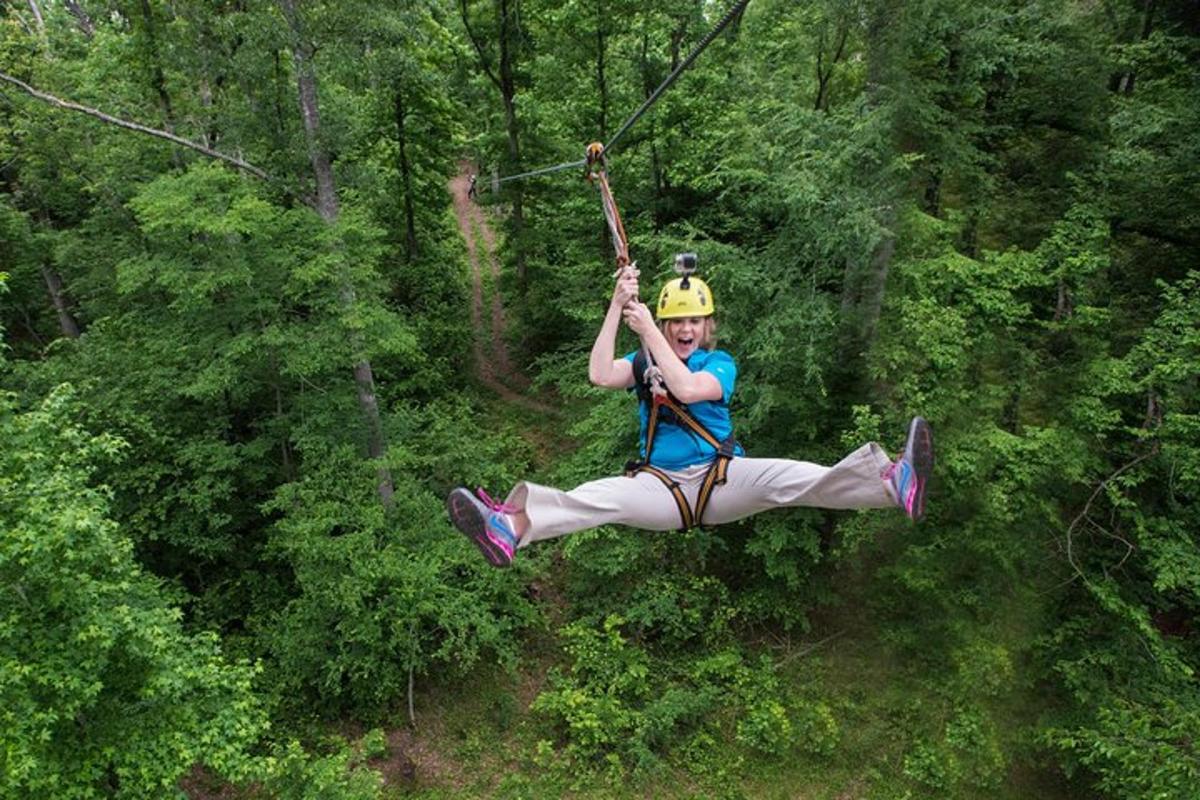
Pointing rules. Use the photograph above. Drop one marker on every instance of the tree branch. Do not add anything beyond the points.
(462, 7)
(1087, 506)
(82, 18)
(803, 651)
(1149, 231)
(37, 15)
(133, 126)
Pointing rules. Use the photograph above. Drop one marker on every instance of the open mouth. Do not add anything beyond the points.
(684, 341)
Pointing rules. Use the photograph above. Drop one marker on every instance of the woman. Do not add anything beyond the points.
(662, 491)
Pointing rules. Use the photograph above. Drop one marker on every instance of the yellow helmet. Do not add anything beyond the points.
(675, 301)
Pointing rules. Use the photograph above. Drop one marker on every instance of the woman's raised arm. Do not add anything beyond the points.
(604, 368)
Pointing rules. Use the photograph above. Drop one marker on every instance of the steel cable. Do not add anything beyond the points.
(730, 15)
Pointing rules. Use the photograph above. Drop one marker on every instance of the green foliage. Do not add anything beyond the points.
(968, 753)
(1138, 749)
(600, 706)
(293, 774)
(678, 611)
(984, 214)
(103, 692)
(378, 596)
(619, 707)
(227, 350)
(765, 726)
(1119, 652)
(374, 743)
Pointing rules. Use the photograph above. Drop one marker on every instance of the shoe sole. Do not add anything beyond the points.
(919, 452)
(466, 516)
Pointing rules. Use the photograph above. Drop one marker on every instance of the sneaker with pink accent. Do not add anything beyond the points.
(485, 522)
(909, 475)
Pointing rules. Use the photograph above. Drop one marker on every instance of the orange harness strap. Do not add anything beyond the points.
(715, 476)
(681, 502)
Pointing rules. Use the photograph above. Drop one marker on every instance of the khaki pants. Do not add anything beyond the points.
(752, 485)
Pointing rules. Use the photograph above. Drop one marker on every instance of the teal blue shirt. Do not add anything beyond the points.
(675, 445)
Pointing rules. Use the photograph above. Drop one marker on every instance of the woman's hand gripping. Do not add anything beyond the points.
(627, 286)
(638, 317)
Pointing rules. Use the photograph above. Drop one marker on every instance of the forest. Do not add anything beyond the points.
(257, 320)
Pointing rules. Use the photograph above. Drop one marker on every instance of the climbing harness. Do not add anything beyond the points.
(666, 409)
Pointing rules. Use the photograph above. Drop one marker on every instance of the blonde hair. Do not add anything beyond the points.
(708, 331)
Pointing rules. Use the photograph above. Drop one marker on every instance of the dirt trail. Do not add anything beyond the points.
(493, 366)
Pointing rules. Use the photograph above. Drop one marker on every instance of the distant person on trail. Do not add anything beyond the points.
(471, 186)
(691, 471)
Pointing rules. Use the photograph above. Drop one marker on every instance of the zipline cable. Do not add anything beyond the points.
(730, 15)
(543, 171)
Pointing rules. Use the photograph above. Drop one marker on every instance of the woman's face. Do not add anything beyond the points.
(685, 335)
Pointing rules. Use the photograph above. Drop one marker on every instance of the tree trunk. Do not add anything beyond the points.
(656, 171)
(677, 44)
(1123, 82)
(864, 284)
(508, 88)
(1063, 307)
(874, 283)
(212, 76)
(285, 447)
(279, 93)
(506, 83)
(327, 207)
(410, 224)
(286, 460)
(306, 83)
(54, 284)
(877, 274)
(850, 275)
(157, 77)
(81, 18)
(969, 238)
(933, 193)
(37, 15)
(824, 73)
